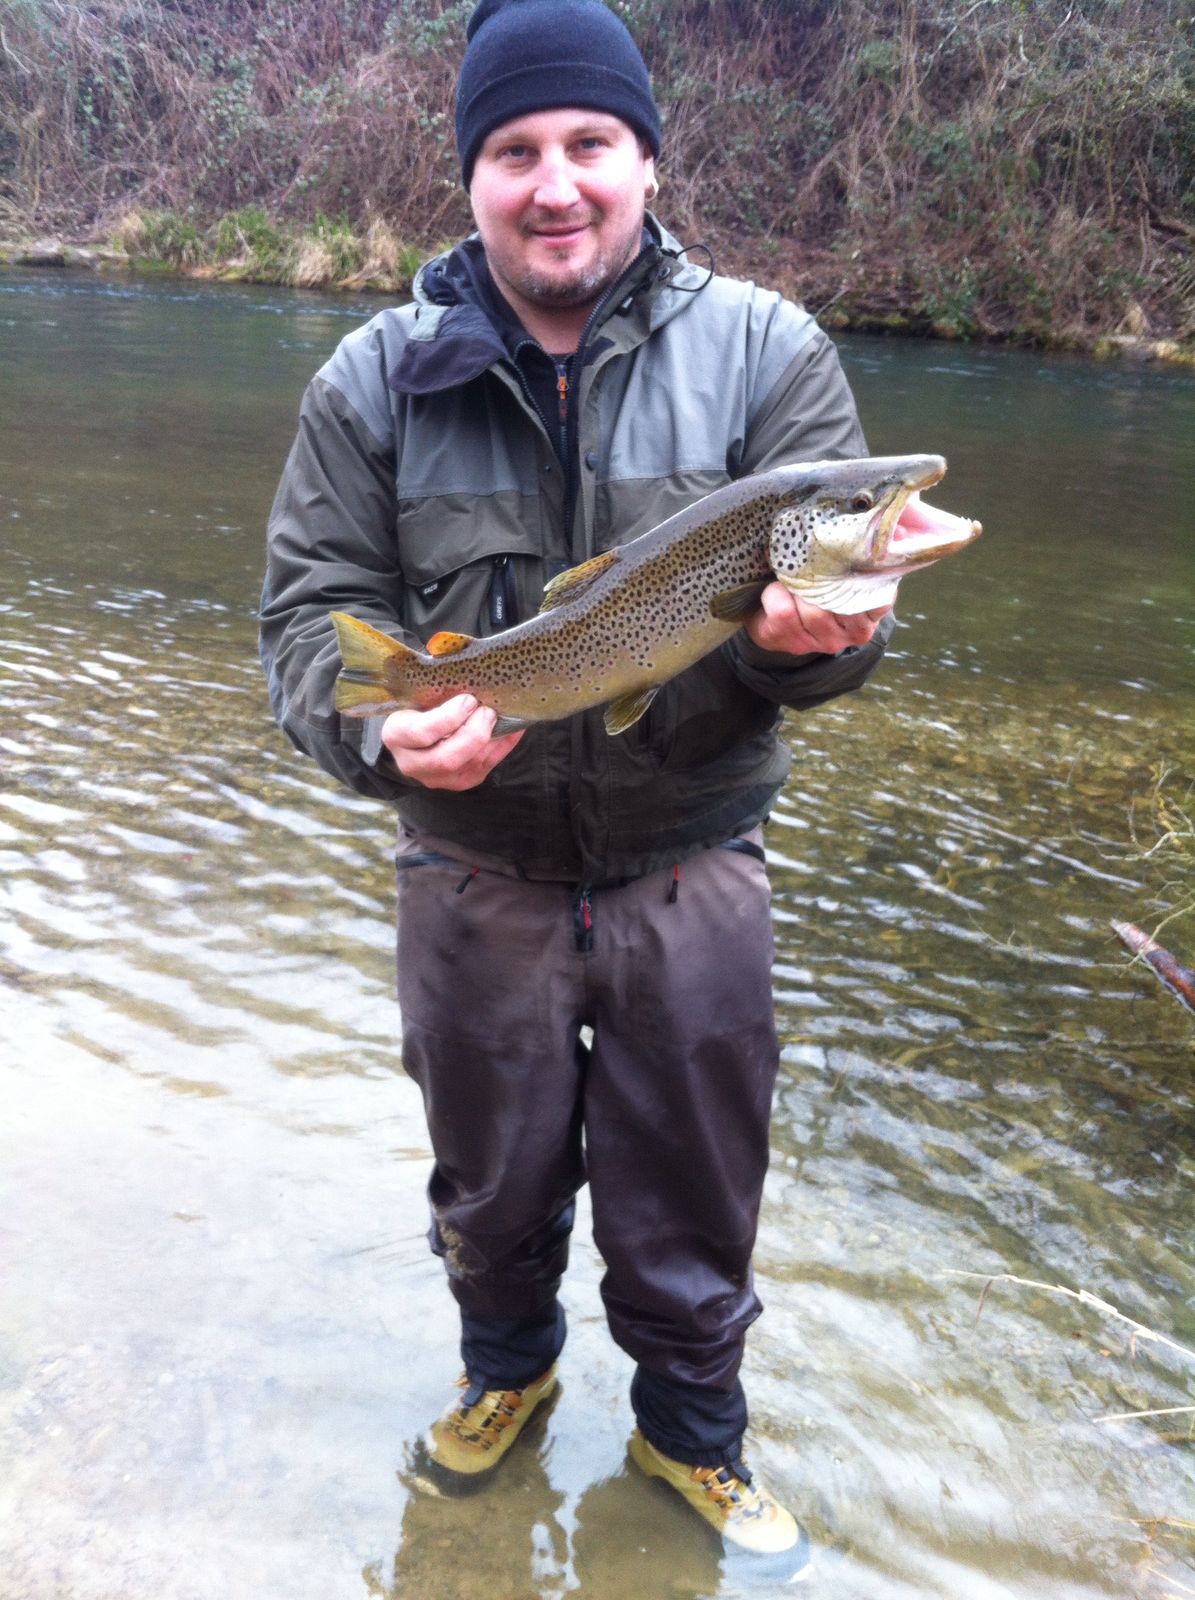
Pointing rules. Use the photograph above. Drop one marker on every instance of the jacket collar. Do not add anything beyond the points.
(463, 326)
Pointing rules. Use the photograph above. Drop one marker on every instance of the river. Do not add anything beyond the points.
(220, 1328)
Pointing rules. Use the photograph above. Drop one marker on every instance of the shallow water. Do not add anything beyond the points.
(220, 1329)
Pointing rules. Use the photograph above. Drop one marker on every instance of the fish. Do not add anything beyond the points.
(612, 631)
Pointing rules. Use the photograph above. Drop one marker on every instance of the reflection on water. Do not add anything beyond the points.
(221, 1329)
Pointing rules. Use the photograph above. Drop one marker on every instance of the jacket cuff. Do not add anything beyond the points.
(375, 754)
(806, 680)
(781, 661)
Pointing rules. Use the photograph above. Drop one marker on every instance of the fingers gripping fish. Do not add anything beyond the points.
(841, 534)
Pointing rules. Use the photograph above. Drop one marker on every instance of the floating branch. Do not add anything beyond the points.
(1178, 979)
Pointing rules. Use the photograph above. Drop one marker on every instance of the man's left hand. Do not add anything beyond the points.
(787, 623)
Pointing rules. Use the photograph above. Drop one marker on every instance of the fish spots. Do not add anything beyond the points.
(792, 541)
(636, 622)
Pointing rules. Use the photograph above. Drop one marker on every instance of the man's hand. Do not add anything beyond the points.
(795, 626)
(448, 747)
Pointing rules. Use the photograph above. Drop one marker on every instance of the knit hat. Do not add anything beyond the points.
(539, 55)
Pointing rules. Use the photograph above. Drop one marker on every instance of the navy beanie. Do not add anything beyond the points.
(539, 55)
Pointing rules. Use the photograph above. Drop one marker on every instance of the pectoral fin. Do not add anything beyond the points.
(507, 725)
(732, 605)
(569, 585)
(625, 712)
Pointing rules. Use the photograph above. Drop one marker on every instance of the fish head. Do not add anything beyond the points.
(844, 533)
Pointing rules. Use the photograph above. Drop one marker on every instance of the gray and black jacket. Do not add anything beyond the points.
(427, 490)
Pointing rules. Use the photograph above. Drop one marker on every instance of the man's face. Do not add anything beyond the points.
(558, 198)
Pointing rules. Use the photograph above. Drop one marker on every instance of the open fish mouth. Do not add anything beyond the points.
(905, 533)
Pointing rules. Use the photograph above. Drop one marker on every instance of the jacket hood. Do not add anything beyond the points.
(460, 330)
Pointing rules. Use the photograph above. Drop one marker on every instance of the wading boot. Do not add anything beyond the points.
(758, 1534)
(470, 1439)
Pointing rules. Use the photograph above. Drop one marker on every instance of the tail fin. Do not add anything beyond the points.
(371, 678)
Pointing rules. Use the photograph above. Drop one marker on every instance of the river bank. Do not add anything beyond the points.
(992, 172)
(377, 264)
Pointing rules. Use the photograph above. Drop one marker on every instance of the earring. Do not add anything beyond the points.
(653, 190)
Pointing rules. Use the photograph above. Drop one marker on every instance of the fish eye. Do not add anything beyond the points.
(863, 501)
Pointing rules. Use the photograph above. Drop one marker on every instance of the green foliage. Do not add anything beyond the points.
(947, 298)
(410, 259)
(344, 249)
(878, 61)
(164, 236)
(248, 236)
(415, 27)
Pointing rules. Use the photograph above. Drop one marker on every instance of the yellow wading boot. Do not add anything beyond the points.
(757, 1532)
(471, 1438)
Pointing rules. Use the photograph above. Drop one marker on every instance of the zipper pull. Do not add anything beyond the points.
(500, 593)
(583, 920)
(562, 390)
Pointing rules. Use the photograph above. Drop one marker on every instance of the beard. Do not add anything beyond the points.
(574, 290)
(570, 287)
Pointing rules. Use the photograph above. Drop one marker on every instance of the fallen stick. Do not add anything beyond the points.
(1084, 1298)
(1157, 1411)
(1178, 979)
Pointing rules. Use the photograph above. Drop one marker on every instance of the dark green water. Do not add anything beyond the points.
(220, 1330)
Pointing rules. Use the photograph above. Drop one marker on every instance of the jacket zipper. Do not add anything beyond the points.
(566, 419)
(570, 429)
(562, 406)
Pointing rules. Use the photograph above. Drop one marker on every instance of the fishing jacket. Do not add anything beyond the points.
(429, 489)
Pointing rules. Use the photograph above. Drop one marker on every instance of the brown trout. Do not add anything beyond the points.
(842, 534)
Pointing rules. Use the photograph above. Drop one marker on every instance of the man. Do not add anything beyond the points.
(564, 381)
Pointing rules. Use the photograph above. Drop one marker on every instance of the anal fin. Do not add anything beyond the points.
(625, 712)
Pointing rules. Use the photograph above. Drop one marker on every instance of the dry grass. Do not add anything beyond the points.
(314, 265)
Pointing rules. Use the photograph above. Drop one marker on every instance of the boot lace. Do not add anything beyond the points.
(732, 1492)
(483, 1415)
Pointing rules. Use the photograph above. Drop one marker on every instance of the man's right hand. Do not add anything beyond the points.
(448, 747)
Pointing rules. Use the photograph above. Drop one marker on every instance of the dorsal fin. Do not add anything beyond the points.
(448, 644)
(569, 585)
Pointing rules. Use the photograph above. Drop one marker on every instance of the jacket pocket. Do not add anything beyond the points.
(469, 565)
